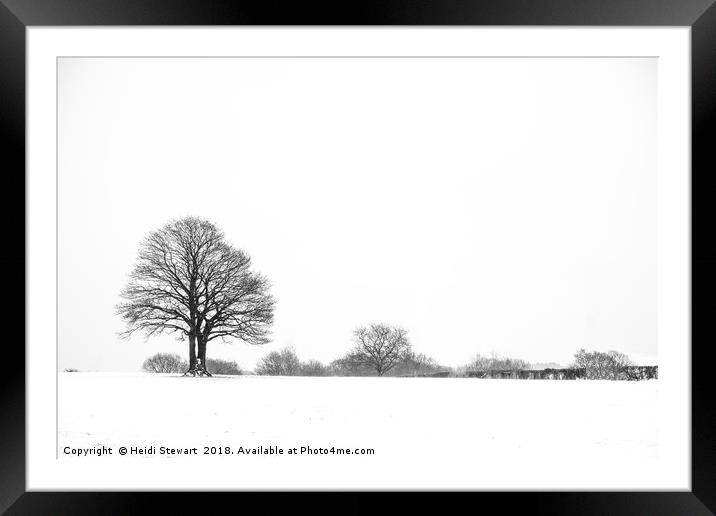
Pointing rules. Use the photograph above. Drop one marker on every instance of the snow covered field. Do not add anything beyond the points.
(495, 428)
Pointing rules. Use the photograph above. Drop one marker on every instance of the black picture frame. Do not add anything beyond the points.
(700, 15)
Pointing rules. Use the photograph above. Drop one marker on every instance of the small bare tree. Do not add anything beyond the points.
(189, 282)
(380, 346)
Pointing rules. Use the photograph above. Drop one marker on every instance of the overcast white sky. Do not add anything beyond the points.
(504, 205)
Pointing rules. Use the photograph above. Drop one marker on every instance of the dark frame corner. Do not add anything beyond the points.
(700, 15)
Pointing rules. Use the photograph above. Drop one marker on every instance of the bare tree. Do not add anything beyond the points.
(380, 346)
(279, 363)
(189, 282)
(164, 363)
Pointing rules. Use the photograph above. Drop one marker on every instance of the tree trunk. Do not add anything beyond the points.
(201, 365)
(192, 352)
(197, 364)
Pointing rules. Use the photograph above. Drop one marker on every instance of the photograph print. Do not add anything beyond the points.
(428, 264)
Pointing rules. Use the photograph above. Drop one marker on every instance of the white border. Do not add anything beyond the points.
(44, 45)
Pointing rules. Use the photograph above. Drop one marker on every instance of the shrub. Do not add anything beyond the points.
(279, 363)
(165, 363)
(219, 366)
(313, 368)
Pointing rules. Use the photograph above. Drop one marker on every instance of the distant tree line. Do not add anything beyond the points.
(366, 359)
(383, 350)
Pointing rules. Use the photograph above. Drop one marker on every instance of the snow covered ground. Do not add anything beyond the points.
(502, 427)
